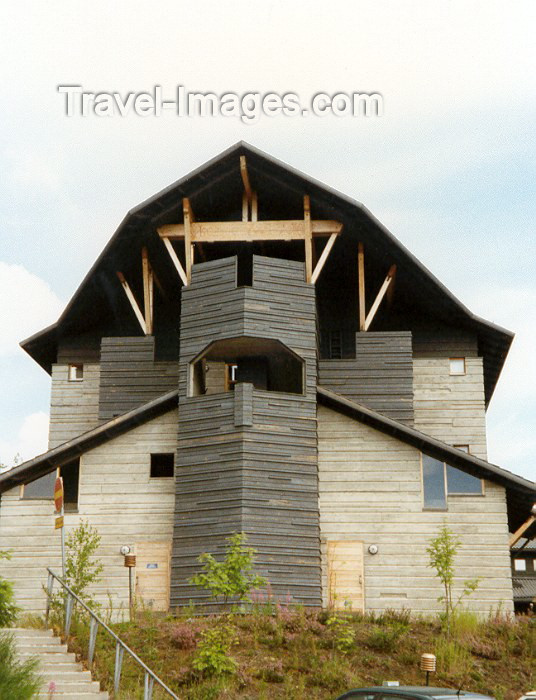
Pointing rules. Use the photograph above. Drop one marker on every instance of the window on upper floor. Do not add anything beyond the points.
(76, 373)
(440, 480)
(40, 489)
(70, 474)
(456, 365)
(520, 564)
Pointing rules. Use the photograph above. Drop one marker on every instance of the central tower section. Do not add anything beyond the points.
(247, 439)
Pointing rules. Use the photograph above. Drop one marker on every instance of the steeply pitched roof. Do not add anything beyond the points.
(520, 492)
(524, 589)
(214, 180)
(47, 462)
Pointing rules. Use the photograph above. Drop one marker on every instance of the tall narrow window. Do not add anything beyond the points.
(70, 473)
(433, 479)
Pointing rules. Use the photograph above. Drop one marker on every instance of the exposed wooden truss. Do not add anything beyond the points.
(132, 300)
(365, 319)
(249, 230)
(518, 534)
(379, 297)
(148, 291)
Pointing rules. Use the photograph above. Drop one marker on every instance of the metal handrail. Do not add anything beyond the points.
(120, 646)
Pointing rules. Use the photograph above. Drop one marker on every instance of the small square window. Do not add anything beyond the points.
(457, 365)
(76, 373)
(162, 464)
(520, 564)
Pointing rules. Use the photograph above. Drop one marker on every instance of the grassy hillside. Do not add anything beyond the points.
(298, 654)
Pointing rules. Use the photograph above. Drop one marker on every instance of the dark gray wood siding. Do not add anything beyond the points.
(247, 460)
(129, 376)
(380, 377)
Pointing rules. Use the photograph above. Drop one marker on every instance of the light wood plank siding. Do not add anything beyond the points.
(74, 405)
(117, 496)
(370, 490)
(450, 407)
(380, 377)
(246, 460)
(130, 376)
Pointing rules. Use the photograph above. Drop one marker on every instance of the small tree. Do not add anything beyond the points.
(82, 569)
(442, 551)
(232, 577)
(18, 679)
(8, 609)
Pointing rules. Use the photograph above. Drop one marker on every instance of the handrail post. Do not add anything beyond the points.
(148, 687)
(68, 612)
(93, 629)
(50, 586)
(119, 651)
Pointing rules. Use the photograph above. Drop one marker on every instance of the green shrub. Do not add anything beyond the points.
(212, 657)
(81, 568)
(233, 577)
(343, 633)
(8, 609)
(386, 637)
(18, 680)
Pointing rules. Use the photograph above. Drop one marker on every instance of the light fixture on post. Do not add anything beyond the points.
(428, 664)
(130, 563)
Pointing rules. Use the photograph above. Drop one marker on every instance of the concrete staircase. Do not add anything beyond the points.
(56, 665)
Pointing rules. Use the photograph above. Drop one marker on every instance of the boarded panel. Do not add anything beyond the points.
(152, 574)
(345, 576)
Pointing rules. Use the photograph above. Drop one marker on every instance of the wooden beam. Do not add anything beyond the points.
(391, 291)
(229, 231)
(323, 257)
(383, 289)
(245, 208)
(254, 207)
(308, 238)
(132, 300)
(361, 283)
(147, 291)
(518, 534)
(175, 260)
(245, 178)
(188, 252)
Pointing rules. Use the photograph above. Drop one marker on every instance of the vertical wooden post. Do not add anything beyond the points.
(361, 276)
(147, 291)
(308, 229)
(188, 247)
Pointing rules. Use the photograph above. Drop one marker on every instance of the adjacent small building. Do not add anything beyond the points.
(254, 352)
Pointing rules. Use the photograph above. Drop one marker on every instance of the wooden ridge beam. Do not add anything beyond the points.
(322, 260)
(383, 289)
(229, 231)
(132, 299)
(188, 244)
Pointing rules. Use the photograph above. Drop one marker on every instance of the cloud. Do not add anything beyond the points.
(30, 440)
(27, 304)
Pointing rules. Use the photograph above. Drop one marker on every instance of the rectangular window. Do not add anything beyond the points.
(433, 479)
(520, 564)
(70, 474)
(76, 373)
(162, 464)
(457, 365)
(460, 483)
(39, 489)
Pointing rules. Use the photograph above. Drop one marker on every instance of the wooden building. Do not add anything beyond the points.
(254, 352)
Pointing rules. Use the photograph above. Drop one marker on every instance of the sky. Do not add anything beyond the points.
(449, 167)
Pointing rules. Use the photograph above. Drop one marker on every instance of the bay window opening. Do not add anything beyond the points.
(267, 364)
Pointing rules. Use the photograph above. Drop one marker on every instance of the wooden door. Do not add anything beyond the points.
(152, 574)
(346, 589)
